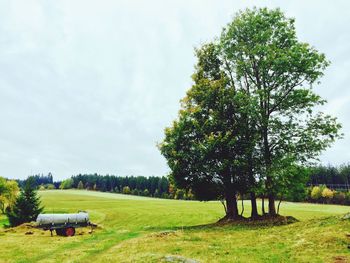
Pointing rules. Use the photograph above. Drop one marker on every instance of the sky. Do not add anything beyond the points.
(89, 86)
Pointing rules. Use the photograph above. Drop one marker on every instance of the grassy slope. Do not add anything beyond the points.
(131, 226)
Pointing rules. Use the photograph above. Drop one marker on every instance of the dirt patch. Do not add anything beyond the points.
(165, 234)
(340, 259)
(265, 220)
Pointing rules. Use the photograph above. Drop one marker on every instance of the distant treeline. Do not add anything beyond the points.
(39, 179)
(155, 186)
(334, 177)
(330, 175)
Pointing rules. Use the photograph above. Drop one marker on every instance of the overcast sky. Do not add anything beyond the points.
(89, 86)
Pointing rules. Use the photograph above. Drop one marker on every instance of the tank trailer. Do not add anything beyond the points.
(64, 224)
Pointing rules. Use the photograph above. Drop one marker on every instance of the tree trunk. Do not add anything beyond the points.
(254, 213)
(279, 203)
(272, 207)
(268, 183)
(263, 205)
(223, 203)
(231, 206)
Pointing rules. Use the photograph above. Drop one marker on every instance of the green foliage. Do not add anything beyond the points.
(126, 190)
(322, 194)
(112, 183)
(330, 174)
(180, 194)
(189, 195)
(50, 187)
(347, 198)
(250, 116)
(8, 193)
(27, 206)
(41, 187)
(327, 194)
(339, 198)
(316, 193)
(66, 184)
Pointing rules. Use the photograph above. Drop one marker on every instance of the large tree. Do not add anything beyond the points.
(266, 58)
(250, 114)
(207, 147)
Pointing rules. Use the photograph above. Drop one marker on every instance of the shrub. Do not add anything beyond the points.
(327, 194)
(180, 194)
(135, 192)
(316, 193)
(156, 193)
(126, 190)
(146, 192)
(66, 184)
(165, 195)
(190, 195)
(339, 198)
(347, 198)
(50, 187)
(41, 187)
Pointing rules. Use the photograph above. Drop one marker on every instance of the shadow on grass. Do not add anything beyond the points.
(241, 223)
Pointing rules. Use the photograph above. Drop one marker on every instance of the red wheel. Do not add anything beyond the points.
(70, 231)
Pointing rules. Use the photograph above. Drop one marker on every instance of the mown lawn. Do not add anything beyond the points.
(137, 229)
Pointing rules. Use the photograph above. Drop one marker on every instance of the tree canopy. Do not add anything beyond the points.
(250, 119)
(26, 207)
(8, 193)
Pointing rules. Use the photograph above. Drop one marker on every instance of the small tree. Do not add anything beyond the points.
(27, 206)
(316, 193)
(8, 193)
(145, 192)
(327, 194)
(50, 187)
(66, 184)
(126, 190)
(80, 185)
(180, 194)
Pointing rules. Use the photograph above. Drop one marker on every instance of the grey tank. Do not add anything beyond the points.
(59, 219)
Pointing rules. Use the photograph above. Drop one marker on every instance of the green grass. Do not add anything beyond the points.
(137, 229)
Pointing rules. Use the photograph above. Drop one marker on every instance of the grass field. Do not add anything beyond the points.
(137, 229)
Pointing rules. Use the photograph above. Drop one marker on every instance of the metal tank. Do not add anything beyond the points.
(63, 224)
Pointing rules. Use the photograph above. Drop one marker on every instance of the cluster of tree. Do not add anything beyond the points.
(249, 123)
(26, 206)
(323, 194)
(8, 193)
(330, 175)
(38, 179)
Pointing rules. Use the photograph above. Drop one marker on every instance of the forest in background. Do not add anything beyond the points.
(331, 181)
